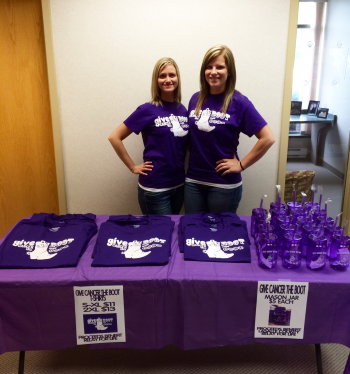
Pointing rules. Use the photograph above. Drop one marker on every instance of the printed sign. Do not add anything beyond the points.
(99, 314)
(280, 309)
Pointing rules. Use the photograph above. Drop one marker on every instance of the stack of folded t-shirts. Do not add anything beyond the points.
(134, 241)
(220, 237)
(47, 241)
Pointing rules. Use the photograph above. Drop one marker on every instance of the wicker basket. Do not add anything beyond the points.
(303, 182)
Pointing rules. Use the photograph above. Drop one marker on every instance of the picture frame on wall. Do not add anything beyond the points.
(322, 113)
(295, 109)
(313, 107)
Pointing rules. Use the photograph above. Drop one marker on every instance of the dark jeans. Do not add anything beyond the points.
(201, 198)
(167, 202)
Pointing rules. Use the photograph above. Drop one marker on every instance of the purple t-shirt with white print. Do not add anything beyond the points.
(164, 132)
(133, 242)
(216, 242)
(47, 241)
(214, 138)
(226, 218)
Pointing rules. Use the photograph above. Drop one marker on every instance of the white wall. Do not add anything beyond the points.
(105, 51)
(336, 97)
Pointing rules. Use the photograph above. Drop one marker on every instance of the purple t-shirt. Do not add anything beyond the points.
(139, 241)
(47, 241)
(219, 219)
(164, 132)
(214, 137)
(216, 242)
(207, 218)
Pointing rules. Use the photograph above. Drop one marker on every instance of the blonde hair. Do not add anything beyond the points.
(213, 52)
(155, 90)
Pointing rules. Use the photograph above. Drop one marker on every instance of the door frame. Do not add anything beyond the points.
(55, 114)
(287, 92)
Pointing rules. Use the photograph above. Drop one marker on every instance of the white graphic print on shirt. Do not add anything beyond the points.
(216, 249)
(42, 250)
(177, 124)
(207, 117)
(203, 122)
(177, 129)
(135, 249)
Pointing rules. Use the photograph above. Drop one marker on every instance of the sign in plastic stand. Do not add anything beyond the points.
(99, 314)
(280, 309)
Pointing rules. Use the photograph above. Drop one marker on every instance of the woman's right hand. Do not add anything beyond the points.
(140, 169)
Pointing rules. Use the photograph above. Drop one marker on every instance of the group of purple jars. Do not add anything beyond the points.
(295, 232)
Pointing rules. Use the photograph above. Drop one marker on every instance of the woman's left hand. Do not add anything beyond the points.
(230, 165)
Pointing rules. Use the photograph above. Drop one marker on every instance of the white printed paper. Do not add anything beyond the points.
(99, 314)
(280, 309)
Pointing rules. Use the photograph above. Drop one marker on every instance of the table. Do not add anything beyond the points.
(305, 118)
(189, 304)
(320, 124)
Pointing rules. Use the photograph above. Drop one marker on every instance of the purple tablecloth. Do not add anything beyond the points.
(185, 303)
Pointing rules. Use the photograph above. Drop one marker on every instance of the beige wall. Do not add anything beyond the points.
(105, 52)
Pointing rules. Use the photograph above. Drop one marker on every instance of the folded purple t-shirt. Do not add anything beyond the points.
(203, 219)
(47, 241)
(216, 242)
(214, 138)
(134, 242)
(164, 132)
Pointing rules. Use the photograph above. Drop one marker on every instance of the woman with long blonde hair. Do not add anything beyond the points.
(217, 116)
(163, 124)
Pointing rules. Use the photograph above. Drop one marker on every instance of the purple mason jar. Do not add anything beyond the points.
(329, 232)
(296, 214)
(310, 205)
(257, 214)
(281, 220)
(268, 252)
(276, 205)
(284, 229)
(301, 221)
(328, 221)
(316, 252)
(262, 230)
(307, 230)
(277, 213)
(320, 214)
(340, 252)
(291, 256)
(293, 206)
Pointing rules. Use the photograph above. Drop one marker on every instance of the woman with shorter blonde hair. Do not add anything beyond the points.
(217, 116)
(163, 124)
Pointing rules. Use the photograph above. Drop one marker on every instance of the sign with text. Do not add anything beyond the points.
(99, 314)
(280, 309)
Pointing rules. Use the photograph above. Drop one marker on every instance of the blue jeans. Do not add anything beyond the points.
(167, 202)
(201, 198)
